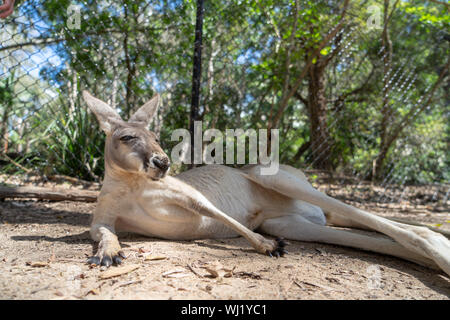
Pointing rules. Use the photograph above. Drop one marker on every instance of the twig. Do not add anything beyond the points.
(193, 271)
(17, 164)
(317, 285)
(126, 283)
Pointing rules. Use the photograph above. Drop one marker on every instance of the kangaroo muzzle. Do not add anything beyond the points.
(162, 163)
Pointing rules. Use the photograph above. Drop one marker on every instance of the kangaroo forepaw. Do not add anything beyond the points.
(107, 260)
(108, 253)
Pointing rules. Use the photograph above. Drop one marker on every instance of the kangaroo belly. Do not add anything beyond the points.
(245, 201)
(226, 189)
(162, 221)
(172, 222)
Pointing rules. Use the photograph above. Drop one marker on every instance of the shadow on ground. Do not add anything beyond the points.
(38, 224)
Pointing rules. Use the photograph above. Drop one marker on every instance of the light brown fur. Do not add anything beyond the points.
(217, 202)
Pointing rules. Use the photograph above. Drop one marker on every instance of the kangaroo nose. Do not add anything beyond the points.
(161, 163)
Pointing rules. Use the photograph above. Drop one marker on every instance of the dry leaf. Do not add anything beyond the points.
(80, 276)
(139, 250)
(217, 270)
(251, 275)
(127, 283)
(317, 285)
(37, 264)
(95, 292)
(175, 273)
(114, 272)
(153, 257)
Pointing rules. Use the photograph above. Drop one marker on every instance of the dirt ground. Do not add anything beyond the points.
(44, 247)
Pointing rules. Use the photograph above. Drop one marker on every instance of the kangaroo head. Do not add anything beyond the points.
(130, 147)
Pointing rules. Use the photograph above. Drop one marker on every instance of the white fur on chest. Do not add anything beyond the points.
(143, 212)
(146, 209)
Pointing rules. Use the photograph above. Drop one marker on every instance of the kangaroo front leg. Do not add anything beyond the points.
(194, 201)
(102, 231)
(260, 243)
(109, 250)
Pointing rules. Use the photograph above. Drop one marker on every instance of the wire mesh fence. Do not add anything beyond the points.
(358, 90)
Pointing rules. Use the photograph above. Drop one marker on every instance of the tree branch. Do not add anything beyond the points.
(301, 98)
(414, 112)
(283, 103)
(442, 3)
(44, 41)
(305, 146)
(344, 96)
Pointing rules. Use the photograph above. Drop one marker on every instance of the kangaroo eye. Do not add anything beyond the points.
(127, 138)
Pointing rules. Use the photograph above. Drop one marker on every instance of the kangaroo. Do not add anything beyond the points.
(216, 201)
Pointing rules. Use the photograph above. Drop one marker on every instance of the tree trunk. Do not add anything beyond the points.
(317, 108)
(4, 126)
(386, 109)
(305, 146)
(72, 89)
(21, 132)
(113, 98)
(196, 75)
(131, 63)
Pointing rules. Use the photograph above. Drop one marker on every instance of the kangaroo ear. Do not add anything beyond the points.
(146, 113)
(104, 113)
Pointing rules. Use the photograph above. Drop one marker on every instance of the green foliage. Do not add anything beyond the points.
(74, 143)
(6, 92)
(253, 53)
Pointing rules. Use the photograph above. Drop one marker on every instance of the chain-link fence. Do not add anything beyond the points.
(357, 89)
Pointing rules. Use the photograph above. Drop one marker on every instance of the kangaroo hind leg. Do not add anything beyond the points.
(296, 227)
(420, 240)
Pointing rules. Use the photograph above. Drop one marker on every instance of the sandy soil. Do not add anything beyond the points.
(44, 246)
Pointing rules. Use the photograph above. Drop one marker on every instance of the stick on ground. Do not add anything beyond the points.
(48, 194)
